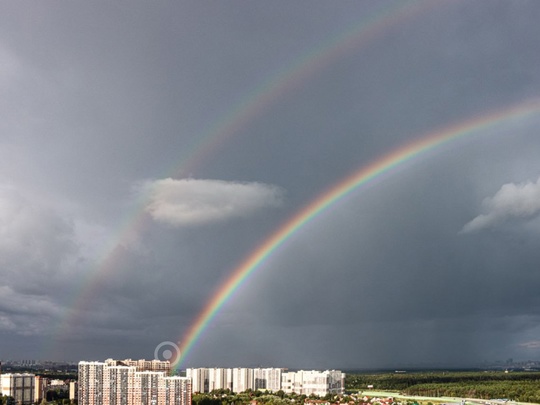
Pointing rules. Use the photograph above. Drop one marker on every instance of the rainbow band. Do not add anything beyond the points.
(386, 165)
(230, 124)
(294, 74)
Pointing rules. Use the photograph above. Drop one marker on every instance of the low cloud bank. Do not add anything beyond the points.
(192, 202)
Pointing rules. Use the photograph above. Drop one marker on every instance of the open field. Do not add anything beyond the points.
(440, 400)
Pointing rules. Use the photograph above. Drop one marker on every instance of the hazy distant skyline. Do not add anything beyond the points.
(149, 148)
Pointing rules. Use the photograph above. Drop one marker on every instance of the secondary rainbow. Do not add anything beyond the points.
(230, 124)
(386, 165)
(294, 74)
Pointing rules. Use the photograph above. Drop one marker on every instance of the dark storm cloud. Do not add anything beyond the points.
(100, 97)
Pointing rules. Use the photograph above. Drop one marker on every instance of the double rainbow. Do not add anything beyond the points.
(293, 74)
(386, 165)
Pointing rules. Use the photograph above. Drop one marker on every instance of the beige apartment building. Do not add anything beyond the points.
(19, 386)
(126, 382)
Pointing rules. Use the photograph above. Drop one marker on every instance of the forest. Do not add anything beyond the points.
(515, 386)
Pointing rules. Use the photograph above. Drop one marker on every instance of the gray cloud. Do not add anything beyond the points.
(512, 201)
(534, 344)
(199, 201)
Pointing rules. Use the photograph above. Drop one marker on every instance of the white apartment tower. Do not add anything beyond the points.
(242, 379)
(313, 382)
(235, 379)
(267, 379)
(199, 379)
(219, 378)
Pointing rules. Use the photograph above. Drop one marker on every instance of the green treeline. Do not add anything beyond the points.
(226, 397)
(517, 386)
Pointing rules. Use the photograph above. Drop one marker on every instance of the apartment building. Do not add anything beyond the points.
(115, 383)
(142, 365)
(199, 379)
(41, 386)
(267, 379)
(219, 378)
(73, 390)
(91, 382)
(19, 386)
(313, 382)
(175, 391)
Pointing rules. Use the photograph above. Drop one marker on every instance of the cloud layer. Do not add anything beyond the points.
(191, 202)
(512, 201)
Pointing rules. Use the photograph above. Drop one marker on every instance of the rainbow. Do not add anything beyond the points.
(386, 165)
(293, 75)
(231, 123)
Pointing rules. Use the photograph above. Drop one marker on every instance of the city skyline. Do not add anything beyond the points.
(282, 184)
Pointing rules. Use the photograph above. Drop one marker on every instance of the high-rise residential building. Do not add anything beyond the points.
(267, 379)
(219, 378)
(199, 379)
(116, 384)
(242, 379)
(19, 386)
(91, 382)
(175, 391)
(121, 384)
(146, 387)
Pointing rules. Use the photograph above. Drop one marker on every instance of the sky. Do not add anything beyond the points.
(147, 149)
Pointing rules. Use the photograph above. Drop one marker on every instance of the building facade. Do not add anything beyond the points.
(115, 383)
(41, 386)
(19, 386)
(313, 382)
(73, 389)
(91, 382)
(267, 379)
(175, 391)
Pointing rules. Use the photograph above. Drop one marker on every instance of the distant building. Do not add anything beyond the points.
(41, 386)
(219, 378)
(19, 386)
(127, 382)
(266, 379)
(242, 379)
(73, 388)
(313, 382)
